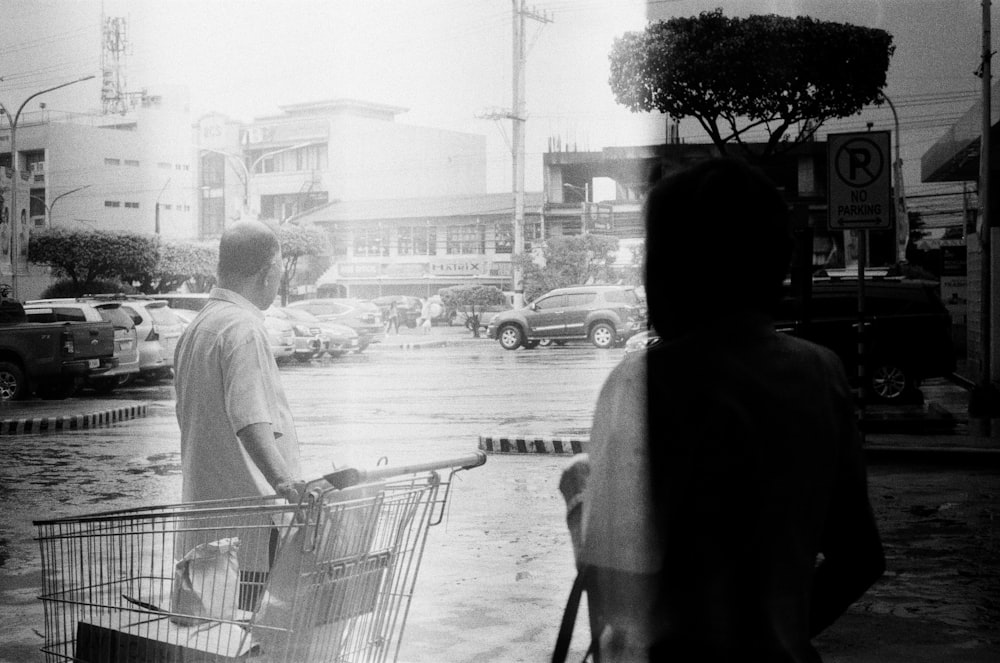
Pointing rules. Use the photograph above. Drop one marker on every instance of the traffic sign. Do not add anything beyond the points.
(860, 196)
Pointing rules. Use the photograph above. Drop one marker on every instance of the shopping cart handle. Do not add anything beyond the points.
(344, 478)
(350, 476)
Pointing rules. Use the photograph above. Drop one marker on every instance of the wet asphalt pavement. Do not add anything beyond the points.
(497, 570)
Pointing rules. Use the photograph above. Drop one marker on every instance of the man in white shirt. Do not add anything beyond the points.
(237, 435)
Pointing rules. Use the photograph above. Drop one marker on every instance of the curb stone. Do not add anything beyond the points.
(53, 424)
(532, 444)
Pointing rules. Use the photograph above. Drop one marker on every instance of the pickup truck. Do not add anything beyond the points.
(50, 358)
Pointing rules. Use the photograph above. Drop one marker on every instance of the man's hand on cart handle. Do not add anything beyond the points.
(292, 491)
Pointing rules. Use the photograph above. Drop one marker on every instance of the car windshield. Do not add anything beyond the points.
(116, 316)
(162, 314)
(300, 315)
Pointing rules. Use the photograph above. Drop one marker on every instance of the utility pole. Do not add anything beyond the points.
(984, 403)
(518, 118)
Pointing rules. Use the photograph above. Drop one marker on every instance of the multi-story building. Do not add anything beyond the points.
(315, 153)
(125, 174)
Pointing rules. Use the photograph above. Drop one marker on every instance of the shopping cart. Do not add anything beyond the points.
(328, 579)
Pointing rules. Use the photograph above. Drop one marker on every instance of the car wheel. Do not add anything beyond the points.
(531, 345)
(510, 337)
(890, 383)
(127, 379)
(12, 385)
(305, 359)
(546, 342)
(603, 335)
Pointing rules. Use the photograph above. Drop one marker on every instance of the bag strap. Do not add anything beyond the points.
(569, 618)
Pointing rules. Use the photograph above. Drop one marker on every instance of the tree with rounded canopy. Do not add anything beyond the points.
(570, 260)
(472, 300)
(297, 242)
(786, 75)
(87, 256)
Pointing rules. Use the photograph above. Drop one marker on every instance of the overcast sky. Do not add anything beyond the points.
(449, 60)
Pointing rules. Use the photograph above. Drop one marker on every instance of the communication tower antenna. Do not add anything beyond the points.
(114, 43)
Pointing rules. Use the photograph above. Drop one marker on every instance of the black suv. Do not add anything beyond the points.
(607, 315)
(908, 331)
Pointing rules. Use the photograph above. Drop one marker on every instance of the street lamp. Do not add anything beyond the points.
(49, 206)
(248, 170)
(12, 121)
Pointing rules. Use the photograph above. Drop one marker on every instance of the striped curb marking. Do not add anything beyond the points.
(72, 422)
(530, 444)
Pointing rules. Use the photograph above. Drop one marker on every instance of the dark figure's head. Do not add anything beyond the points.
(250, 261)
(718, 244)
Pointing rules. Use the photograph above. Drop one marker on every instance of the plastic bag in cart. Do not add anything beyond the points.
(206, 584)
(324, 574)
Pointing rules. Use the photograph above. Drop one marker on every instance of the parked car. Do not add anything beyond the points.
(158, 329)
(126, 345)
(339, 339)
(407, 308)
(281, 338)
(362, 316)
(908, 332)
(604, 314)
(50, 358)
(310, 341)
(188, 301)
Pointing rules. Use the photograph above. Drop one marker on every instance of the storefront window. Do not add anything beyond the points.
(468, 239)
(417, 240)
(371, 242)
(505, 237)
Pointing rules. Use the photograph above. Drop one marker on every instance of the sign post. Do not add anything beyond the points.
(859, 190)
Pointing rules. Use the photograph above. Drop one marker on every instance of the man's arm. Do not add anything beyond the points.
(258, 440)
(851, 546)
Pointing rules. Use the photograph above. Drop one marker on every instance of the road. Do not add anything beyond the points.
(496, 572)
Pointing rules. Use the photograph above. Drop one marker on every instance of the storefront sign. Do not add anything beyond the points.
(462, 268)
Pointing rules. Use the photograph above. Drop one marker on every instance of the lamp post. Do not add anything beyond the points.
(12, 121)
(49, 206)
(247, 171)
(902, 219)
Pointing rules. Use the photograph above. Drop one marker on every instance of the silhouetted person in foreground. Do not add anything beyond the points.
(726, 514)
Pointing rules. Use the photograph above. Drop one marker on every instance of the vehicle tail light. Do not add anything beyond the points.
(153, 336)
(67, 342)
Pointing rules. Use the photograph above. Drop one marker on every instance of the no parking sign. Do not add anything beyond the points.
(859, 181)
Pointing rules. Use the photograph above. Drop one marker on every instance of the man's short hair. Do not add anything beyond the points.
(717, 238)
(245, 249)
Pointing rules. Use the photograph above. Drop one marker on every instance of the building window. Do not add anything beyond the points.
(467, 239)
(132, 162)
(36, 204)
(163, 164)
(112, 162)
(112, 203)
(213, 216)
(168, 207)
(371, 241)
(417, 240)
(504, 237)
(132, 205)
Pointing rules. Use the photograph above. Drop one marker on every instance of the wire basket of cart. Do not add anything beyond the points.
(328, 579)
